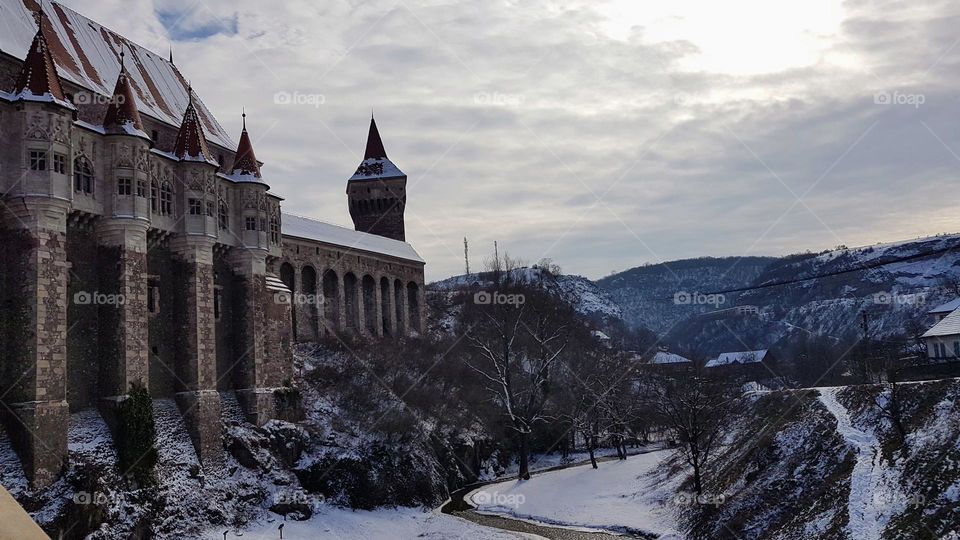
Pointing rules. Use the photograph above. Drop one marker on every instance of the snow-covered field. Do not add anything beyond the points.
(619, 496)
(344, 524)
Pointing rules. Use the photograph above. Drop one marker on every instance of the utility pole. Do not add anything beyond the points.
(466, 255)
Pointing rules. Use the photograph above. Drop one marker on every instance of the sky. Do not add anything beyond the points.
(601, 134)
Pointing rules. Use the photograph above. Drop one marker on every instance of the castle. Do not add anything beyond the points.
(143, 247)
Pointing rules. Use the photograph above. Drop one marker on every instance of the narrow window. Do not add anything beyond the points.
(216, 303)
(60, 163)
(250, 223)
(82, 176)
(166, 199)
(142, 188)
(210, 209)
(223, 216)
(154, 197)
(196, 209)
(124, 186)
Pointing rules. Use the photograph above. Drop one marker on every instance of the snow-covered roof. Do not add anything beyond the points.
(312, 229)
(663, 357)
(376, 168)
(946, 308)
(949, 326)
(88, 54)
(742, 357)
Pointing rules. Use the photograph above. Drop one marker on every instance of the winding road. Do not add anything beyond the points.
(459, 506)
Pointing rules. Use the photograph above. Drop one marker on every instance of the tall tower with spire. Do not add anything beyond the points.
(377, 192)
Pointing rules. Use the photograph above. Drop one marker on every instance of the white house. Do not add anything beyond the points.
(943, 340)
(738, 358)
(664, 357)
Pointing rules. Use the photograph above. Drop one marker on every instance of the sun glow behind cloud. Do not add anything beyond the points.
(738, 37)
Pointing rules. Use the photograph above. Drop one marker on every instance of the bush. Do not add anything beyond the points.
(136, 434)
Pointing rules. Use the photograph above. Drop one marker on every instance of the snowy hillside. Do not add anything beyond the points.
(584, 295)
(829, 464)
(647, 294)
(821, 294)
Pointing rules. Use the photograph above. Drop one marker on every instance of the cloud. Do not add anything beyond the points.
(541, 125)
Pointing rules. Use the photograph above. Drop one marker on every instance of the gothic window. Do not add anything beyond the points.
(154, 196)
(60, 163)
(153, 296)
(82, 176)
(196, 208)
(142, 188)
(38, 160)
(275, 232)
(166, 199)
(223, 216)
(124, 186)
(250, 223)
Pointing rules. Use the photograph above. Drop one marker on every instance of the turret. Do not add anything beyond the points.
(46, 119)
(255, 217)
(377, 192)
(197, 173)
(128, 148)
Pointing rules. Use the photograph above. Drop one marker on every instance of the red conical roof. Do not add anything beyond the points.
(38, 76)
(245, 162)
(374, 143)
(191, 143)
(122, 114)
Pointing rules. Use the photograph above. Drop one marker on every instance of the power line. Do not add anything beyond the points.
(863, 267)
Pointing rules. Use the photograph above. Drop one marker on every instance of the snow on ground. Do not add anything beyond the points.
(874, 495)
(345, 524)
(620, 496)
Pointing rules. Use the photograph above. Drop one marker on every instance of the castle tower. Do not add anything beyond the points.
(192, 251)
(377, 192)
(122, 250)
(254, 383)
(33, 291)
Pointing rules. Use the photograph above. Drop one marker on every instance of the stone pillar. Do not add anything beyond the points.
(250, 368)
(377, 308)
(35, 355)
(121, 298)
(196, 360)
(404, 309)
(361, 307)
(422, 307)
(392, 307)
(342, 301)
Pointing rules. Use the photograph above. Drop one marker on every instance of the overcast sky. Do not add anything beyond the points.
(601, 134)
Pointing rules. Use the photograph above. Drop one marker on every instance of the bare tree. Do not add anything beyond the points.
(515, 335)
(696, 410)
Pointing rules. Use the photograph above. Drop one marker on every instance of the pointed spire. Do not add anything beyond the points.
(245, 162)
(191, 143)
(122, 114)
(375, 163)
(38, 76)
(171, 53)
(374, 143)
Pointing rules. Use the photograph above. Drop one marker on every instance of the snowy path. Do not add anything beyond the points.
(620, 497)
(873, 493)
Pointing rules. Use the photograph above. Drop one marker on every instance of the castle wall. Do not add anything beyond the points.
(358, 292)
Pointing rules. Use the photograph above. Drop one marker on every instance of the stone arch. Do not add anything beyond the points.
(385, 306)
(413, 306)
(350, 297)
(305, 303)
(370, 304)
(288, 277)
(331, 300)
(399, 307)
